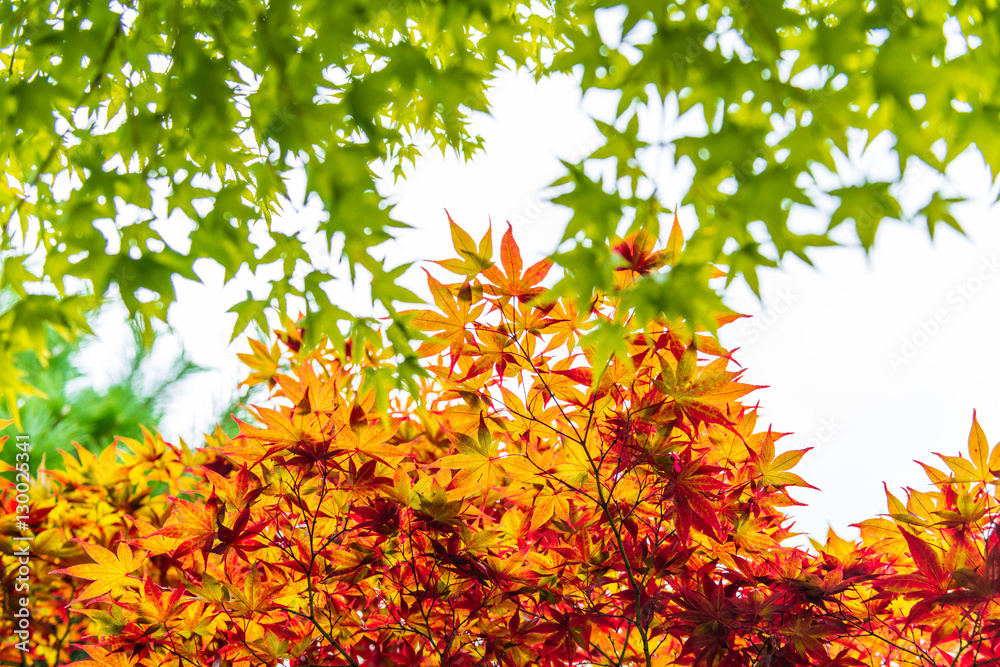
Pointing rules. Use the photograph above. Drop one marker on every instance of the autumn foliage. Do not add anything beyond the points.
(75, 515)
(546, 501)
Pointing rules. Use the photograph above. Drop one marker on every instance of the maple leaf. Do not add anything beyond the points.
(701, 395)
(452, 328)
(749, 533)
(637, 251)
(381, 516)
(807, 634)
(773, 470)
(701, 613)
(255, 596)
(474, 260)
(196, 526)
(300, 435)
(272, 647)
(691, 486)
(236, 541)
(982, 583)
(111, 622)
(982, 466)
(928, 584)
(263, 361)
(497, 350)
(238, 492)
(154, 543)
(479, 461)
(369, 435)
(511, 282)
(675, 244)
(100, 657)
(156, 606)
(109, 573)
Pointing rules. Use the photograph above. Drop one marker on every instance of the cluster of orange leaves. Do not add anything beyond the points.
(75, 516)
(534, 507)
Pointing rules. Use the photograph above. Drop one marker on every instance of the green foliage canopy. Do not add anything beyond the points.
(119, 120)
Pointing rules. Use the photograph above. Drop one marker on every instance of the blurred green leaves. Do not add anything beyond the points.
(64, 413)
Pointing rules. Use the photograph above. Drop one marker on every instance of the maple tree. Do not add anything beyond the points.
(140, 138)
(546, 503)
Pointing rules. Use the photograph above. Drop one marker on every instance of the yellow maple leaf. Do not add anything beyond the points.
(109, 573)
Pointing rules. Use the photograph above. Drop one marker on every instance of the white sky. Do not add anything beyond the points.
(822, 338)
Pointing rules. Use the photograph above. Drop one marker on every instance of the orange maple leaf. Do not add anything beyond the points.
(510, 282)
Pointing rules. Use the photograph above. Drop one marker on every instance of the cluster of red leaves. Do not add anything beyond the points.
(535, 507)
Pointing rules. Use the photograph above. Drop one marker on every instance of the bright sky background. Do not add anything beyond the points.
(821, 338)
